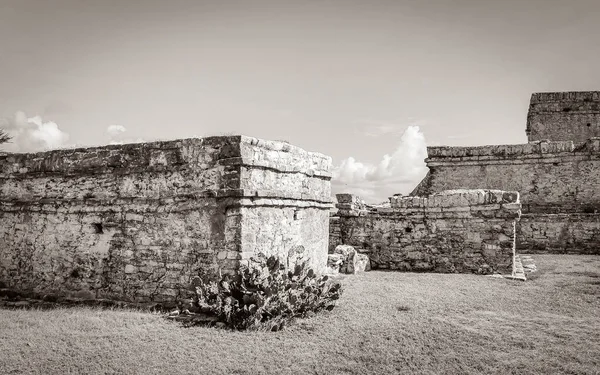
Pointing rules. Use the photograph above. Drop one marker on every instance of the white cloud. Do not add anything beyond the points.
(116, 134)
(115, 130)
(398, 172)
(32, 134)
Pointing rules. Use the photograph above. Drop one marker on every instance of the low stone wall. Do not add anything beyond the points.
(468, 231)
(559, 233)
(135, 222)
(553, 178)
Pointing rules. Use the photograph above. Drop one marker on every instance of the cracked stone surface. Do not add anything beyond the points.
(556, 173)
(136, 222)
(468, 231)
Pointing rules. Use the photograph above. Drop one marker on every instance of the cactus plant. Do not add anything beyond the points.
(265, 295)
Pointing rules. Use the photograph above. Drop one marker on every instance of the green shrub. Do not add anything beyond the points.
(265, 296)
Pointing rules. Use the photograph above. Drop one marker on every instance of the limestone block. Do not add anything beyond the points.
(351, 261)
(334, 262)
(347, 255)
(359, 263)
(344, 250)
(157, 211)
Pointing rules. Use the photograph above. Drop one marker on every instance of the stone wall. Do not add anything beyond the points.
(553, 178)
(564, 116)
(453, 231)
(136, 222)
(573, 233)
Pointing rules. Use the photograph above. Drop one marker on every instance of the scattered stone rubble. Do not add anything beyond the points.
(345, 259)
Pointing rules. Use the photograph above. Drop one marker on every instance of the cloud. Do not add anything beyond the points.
(116, 134)
(115, 130)
(398, 172)
(32, 134)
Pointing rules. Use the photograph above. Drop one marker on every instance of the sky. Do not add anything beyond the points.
(370, 83)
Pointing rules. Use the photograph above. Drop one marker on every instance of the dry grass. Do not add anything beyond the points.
(385, 323)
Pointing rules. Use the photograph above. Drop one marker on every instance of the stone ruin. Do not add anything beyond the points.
(564, 116)
(549, 199)
(137, 222)
(557, 173)
(453, 231)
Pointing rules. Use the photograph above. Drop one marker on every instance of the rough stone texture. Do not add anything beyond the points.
(335, 234)
(564, 116)
(136, 222)
(334, 262)
(358, 263)
(558, 182)
(575, 233)
(453, 231)
(346, 259)
(552, 177)
(269, 229)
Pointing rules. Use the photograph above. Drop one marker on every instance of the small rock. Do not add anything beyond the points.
(334, 262)
(347, 253)
(344, 250)
(363, 263)
(352, 261)
(358, 263)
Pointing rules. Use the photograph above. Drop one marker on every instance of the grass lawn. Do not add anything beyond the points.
(385, 323)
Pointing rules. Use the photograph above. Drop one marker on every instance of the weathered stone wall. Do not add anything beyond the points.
(271, 228)
(552, 178)
(575, 233)
(453, 231)
(564, 116)
(136, 222)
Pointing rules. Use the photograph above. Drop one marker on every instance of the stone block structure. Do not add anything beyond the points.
(469, 231)
(559, 180)
(564, 116)
(135, 222)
